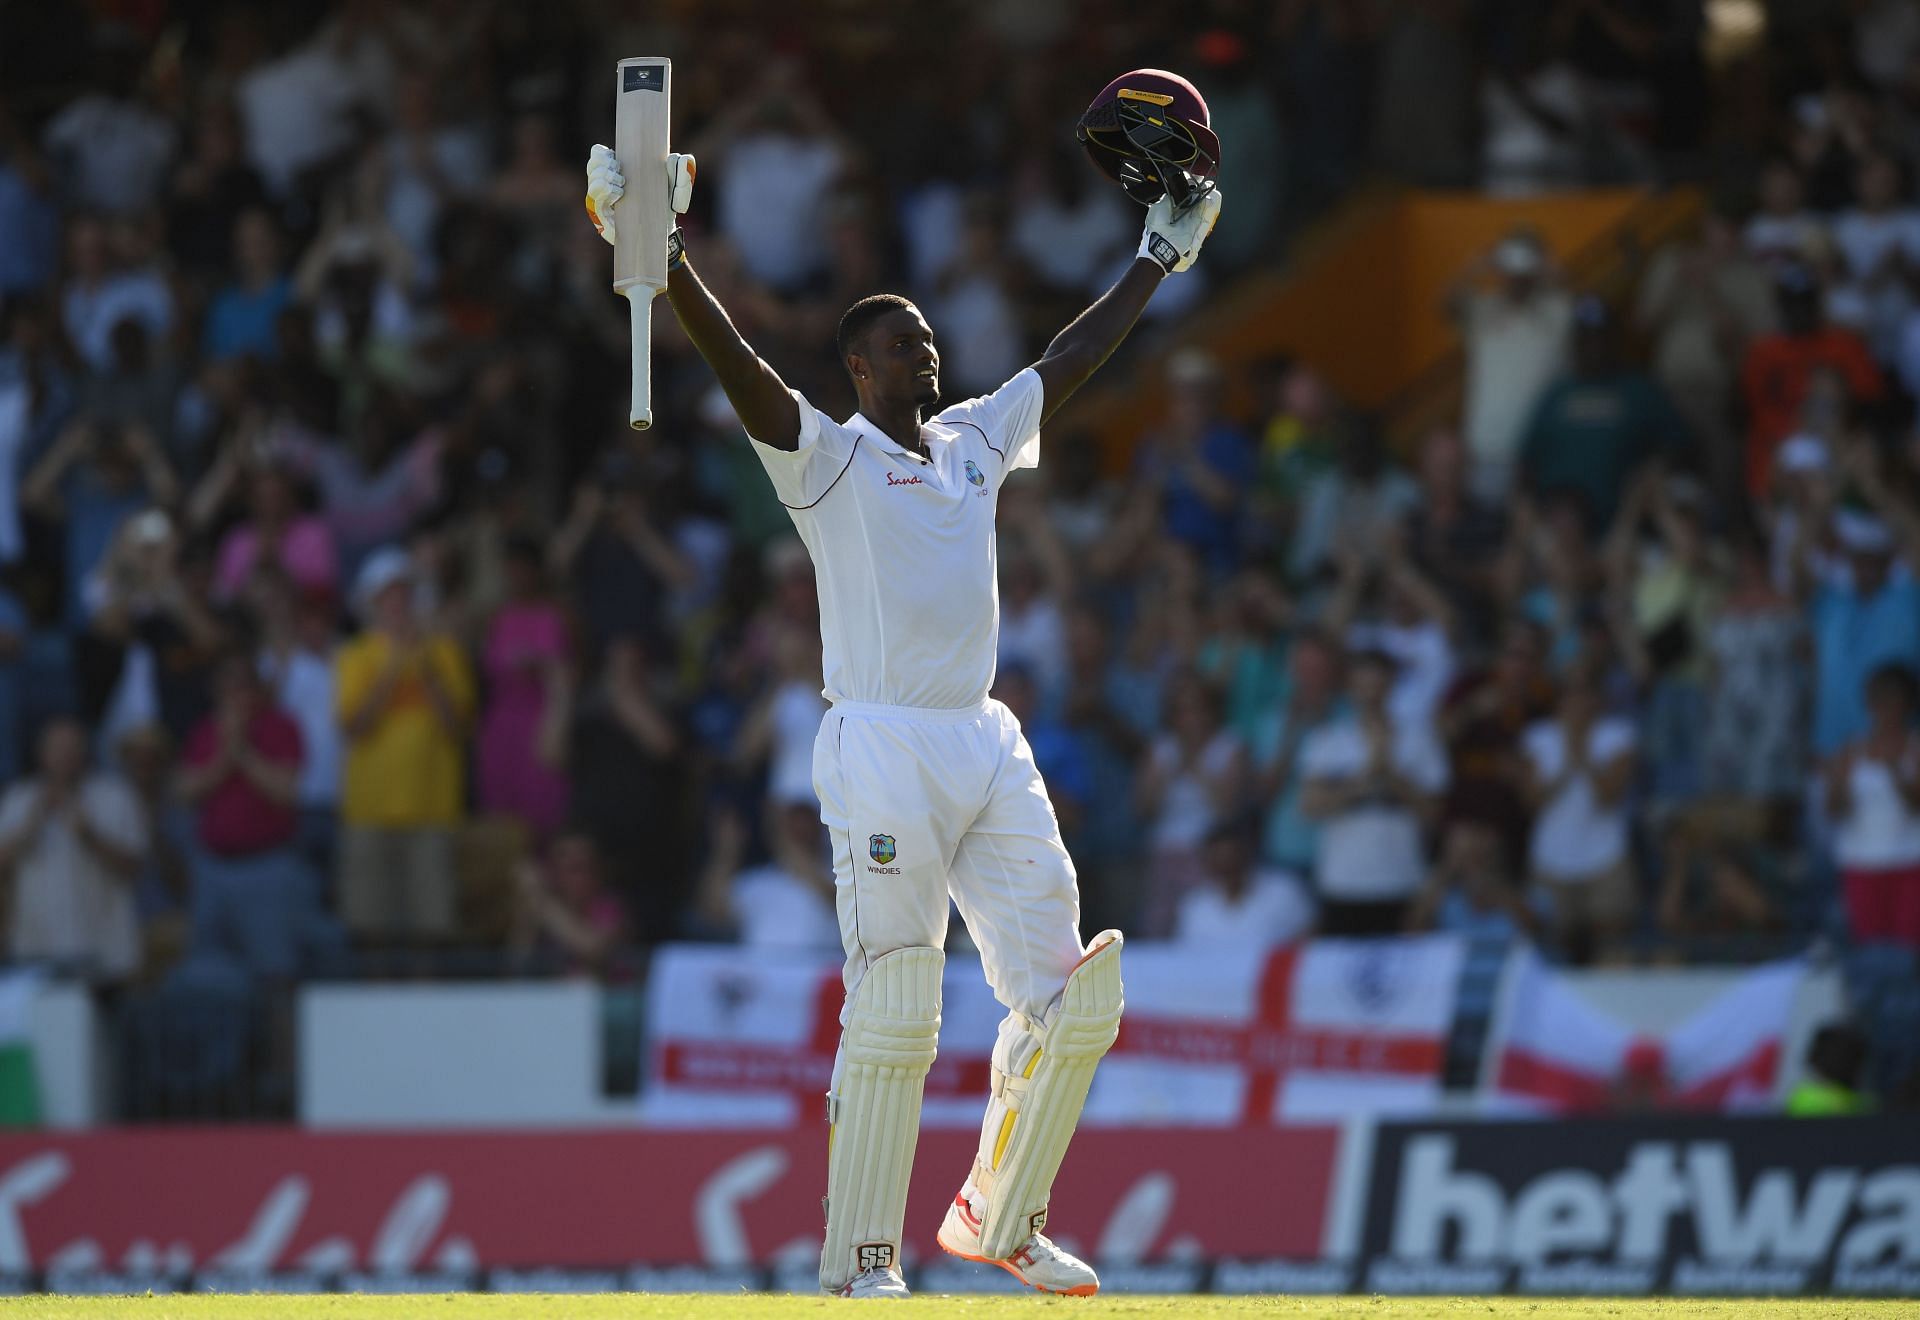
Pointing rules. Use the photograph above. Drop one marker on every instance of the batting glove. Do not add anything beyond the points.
(1173, 238)
(606, 185)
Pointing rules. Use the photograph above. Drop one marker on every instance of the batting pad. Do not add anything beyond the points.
(1041, 1072)
(892, 1032)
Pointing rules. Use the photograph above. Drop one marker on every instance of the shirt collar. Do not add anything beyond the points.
(931, 430)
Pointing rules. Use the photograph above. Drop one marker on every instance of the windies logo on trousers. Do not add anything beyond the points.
(880, 848)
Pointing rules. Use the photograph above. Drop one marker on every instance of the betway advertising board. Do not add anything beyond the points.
(1728, 1207)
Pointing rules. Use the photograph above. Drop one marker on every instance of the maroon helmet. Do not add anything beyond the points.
(1147, 131)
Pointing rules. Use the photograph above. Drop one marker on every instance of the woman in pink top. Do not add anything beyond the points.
(300, 543)
(522, 751)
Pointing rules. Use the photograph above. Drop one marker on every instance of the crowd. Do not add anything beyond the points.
(340, 616)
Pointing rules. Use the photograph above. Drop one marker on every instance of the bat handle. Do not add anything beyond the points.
(640, 309)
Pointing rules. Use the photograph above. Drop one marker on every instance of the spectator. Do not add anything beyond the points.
(565, 911)
(1482, 721)
(778, 734)
(373, 489)
(778, 154)
(1454, 533)
(1597, 425)
(101, 292)
(28, 216)
(982, 343)
(1859, 623)
(36, 399)
(539, 193)
(72, 843)
(1246, 653)
(613, 553)
(1195, 775)
(786, 902)
(212, 190)
(1312, 702)
(1703, 301)
(429, 165)
(1060, 751)
(1383, 602)
(622, 743)
(522, 751)
(112, 149)
(253, 896)
(1472, 891)
(150, 636)
(244, 316)
(1784, 232)
(275, 530)
(1363, 498)
(1803, 377)
(1237, 902)
(1836, 1061)
(1709, 889)
(1873, 796)
(1663, 590)
(94, 478)
(1037, 578)
(1579, 766)
(1198, 465)
(1299, 439)
(1515, 318)
(1372, 782)
(1069, 226)
(1878, 243)
(1757, 699)
(296, 661)
(403, 698)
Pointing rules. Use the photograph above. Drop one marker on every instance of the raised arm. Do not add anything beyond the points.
(767, 410)
(1169, 245)
(758, 395)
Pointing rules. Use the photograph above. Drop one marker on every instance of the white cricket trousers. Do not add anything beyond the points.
(923, 804)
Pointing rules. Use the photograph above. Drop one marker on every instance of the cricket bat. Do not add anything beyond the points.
(642, 99)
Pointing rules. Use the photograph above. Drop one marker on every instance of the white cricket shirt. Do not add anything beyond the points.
(903, 547)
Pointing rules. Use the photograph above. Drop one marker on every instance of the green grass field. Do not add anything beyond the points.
(755, 1306)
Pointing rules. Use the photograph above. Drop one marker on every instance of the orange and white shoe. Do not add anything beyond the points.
(1037, 1262)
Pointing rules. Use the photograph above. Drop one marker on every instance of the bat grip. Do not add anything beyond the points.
(640, 310)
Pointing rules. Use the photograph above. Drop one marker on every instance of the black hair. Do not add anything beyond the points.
(1898, 678)
(857, 318)
(1838, 1054)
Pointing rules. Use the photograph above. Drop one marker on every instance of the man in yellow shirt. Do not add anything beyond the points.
(403, 699)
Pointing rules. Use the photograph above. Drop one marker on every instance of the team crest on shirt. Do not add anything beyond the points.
(880, 848)
(974, 474)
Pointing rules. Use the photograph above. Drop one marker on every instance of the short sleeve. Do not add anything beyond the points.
(803, 475)
(1009, 418)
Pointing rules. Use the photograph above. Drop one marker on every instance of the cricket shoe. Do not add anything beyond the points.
(875, 1283)
(1036, 1262)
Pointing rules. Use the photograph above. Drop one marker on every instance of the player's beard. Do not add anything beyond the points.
(926, 393)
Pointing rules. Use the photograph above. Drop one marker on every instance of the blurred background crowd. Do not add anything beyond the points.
(345, 629)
